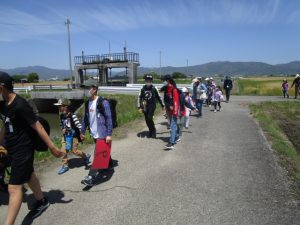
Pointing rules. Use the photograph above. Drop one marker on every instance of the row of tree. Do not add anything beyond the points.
(30, 78)
(175, 75)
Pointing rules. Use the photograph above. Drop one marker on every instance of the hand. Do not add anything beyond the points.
(163, 108)
(56, 152)
(141, 110)
(171, 108)
(63, 131)
(108, 139)
(82, 137)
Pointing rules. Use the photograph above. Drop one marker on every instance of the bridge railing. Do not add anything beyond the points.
(106, 58)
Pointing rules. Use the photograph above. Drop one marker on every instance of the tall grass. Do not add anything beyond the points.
(261, 86)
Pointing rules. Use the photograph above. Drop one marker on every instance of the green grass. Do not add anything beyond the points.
(281, 123)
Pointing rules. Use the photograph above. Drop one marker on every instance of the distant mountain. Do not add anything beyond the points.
(43, 72)
(230, 68)
(207, 69)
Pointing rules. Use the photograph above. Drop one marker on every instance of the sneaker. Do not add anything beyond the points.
(88, 181)
(178, 139)
(39, 207)
(215, 110)
(169, 146)
(63, 169)
(87, 159)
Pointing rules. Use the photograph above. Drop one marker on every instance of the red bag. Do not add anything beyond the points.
(101, 155)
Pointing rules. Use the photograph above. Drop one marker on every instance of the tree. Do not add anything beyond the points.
(17, 78)
(177, 75)
(33, 77)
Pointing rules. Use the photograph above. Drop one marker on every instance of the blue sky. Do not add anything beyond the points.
(200, 31)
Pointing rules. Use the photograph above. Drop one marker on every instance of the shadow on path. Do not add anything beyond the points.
(54, 196)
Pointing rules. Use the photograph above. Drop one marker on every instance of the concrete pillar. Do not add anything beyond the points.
(132, 72)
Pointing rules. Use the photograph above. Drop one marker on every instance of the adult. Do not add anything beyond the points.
(171, 100)
(21, 125)
(148, 96)
(98, 122)
(201, 95)
(296, 82)
(227, 87)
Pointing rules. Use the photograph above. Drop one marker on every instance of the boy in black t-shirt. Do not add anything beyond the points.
(20, 124)
(147, 99)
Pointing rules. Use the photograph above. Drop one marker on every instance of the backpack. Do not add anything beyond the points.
(113, 108)
(181, 100)
(39, 144)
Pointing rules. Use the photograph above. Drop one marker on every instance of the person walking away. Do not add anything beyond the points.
(148, 96)
(194, 90)
(217, 98)
(201, 96)
(98, 122)
(189, 106)
(296, 82)
(171, 99)
(285, 88)
(227, 87)
(21, 126)
(70, 127)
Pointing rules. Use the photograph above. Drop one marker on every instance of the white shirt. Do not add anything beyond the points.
(93, 118)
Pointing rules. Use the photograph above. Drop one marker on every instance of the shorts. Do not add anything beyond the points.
(21, 167)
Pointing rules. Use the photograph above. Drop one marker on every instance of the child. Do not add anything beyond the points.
(285, 88)
(189, 105)
(70, 127)
(217, 98)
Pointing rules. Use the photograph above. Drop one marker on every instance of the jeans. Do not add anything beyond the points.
(199, 104)
(180, 122)
(173, 131)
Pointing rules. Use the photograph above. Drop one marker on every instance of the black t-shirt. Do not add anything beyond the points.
(18, 118)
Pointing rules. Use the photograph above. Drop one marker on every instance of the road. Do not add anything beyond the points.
(222, 172)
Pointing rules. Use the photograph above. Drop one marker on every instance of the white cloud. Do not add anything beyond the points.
(142, 14)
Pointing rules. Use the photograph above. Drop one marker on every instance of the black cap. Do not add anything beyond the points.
(5, 79)
(148, 77)
(167, 77)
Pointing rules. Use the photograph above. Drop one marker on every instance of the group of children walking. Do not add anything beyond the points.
(178, 104)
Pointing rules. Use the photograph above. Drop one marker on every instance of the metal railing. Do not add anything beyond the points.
(106, 58)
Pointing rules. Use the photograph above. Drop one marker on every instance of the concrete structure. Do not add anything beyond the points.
(127, 60)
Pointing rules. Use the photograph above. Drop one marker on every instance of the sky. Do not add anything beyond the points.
(186, 32)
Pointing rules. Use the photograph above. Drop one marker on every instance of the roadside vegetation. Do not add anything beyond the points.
(281, 123)
(267, 86)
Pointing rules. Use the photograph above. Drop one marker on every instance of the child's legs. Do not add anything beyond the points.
(215, 104)
(219, 104)
(187, 120)
(63, 149)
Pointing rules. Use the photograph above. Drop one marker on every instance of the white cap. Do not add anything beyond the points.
(206, 78)
(185, 90)
(297, 75)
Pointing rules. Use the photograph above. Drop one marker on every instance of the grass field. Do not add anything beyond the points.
(269, 86)
(281, 123)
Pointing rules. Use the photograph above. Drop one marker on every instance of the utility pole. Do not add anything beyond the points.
(187, 67)
(69, 44)
(160, 64)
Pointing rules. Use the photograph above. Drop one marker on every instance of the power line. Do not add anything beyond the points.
(32, 24)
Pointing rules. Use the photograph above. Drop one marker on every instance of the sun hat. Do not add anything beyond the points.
(89, 83)
(63, 101)
(185, 90)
